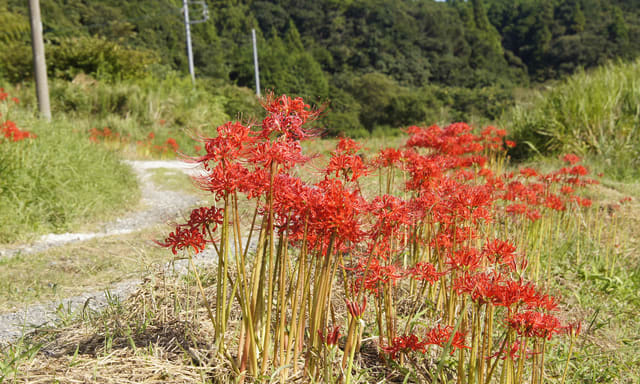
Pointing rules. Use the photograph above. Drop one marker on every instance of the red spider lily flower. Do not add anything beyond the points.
(479, 287)
(390, 213)
(535, 324)
(287, 117)
(627, 199)
(388, 157)
(555, 203)
(567, 190)
(539, 301)
(377, 275)
(284, 153)
(223, 179)
(151, 135)
(339, 210)
(582, 201)
(573, 329)
(441, 336)
(204, 217)
(231, 142)
(571, 158)
(499, 251)
(351, 167)
(425, 272)
(182, 238)
(172, 143)
(11, 131)
(404, 344)
(529, 172)
(485, 172)
(3, 94)
(533, 214)
(332, 335)
(579, 170)
(511, 292)
(356, 310)
(467, 259)
(510, 143)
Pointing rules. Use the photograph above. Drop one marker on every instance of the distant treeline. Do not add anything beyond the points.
(380, 63)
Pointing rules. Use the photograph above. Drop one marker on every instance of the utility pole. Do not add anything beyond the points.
(255, 61)
(39, 65)
(187, 26)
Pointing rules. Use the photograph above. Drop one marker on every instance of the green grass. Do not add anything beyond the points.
(76, 268)
(58, 180)
(594, 112)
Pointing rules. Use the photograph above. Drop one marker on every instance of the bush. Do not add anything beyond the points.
(589, 113)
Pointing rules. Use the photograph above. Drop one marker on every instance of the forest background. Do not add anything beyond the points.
(379, 64)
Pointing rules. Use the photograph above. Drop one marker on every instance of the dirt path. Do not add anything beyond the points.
(160, 205)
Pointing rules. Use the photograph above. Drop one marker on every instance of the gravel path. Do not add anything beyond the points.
(160, 205)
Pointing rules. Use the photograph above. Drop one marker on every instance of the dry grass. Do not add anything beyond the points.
(80, 267)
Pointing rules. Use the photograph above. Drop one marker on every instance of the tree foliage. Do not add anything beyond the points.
(381, 62)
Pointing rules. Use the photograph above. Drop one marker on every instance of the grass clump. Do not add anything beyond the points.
(53, 181)
(593, 112)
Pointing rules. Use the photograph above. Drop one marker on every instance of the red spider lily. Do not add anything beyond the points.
(510, 143)
(205, 217)
(377, 275)
(173, 144)
(467, 259)
(480, 287)
(582, 201)
(571, 158)
(535, 324)
(404, 344)
(567, 190)
(425, 272)
(579, 170)
(223, 179)
(3, 94)
(390, 213)
(287, 117)
(574, 328)
(11, 131)
(453, 140)
(332, 335)
(388, 157)
(231, 142)
(184, 237)
(345, 161)
(284, 153)
(356, 310)
(518, 292)
(529, 172)
(339, 210)
(441, 336)
(555, 203)
(499, 251)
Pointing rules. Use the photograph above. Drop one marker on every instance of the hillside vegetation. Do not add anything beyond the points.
(595, 112)
(381, 63)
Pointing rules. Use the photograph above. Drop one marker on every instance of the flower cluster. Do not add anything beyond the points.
(8, 129)
(437, 232)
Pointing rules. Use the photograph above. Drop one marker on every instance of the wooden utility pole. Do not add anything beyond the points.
(39, 65)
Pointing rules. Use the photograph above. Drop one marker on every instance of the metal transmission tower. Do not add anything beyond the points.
(187, 26)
